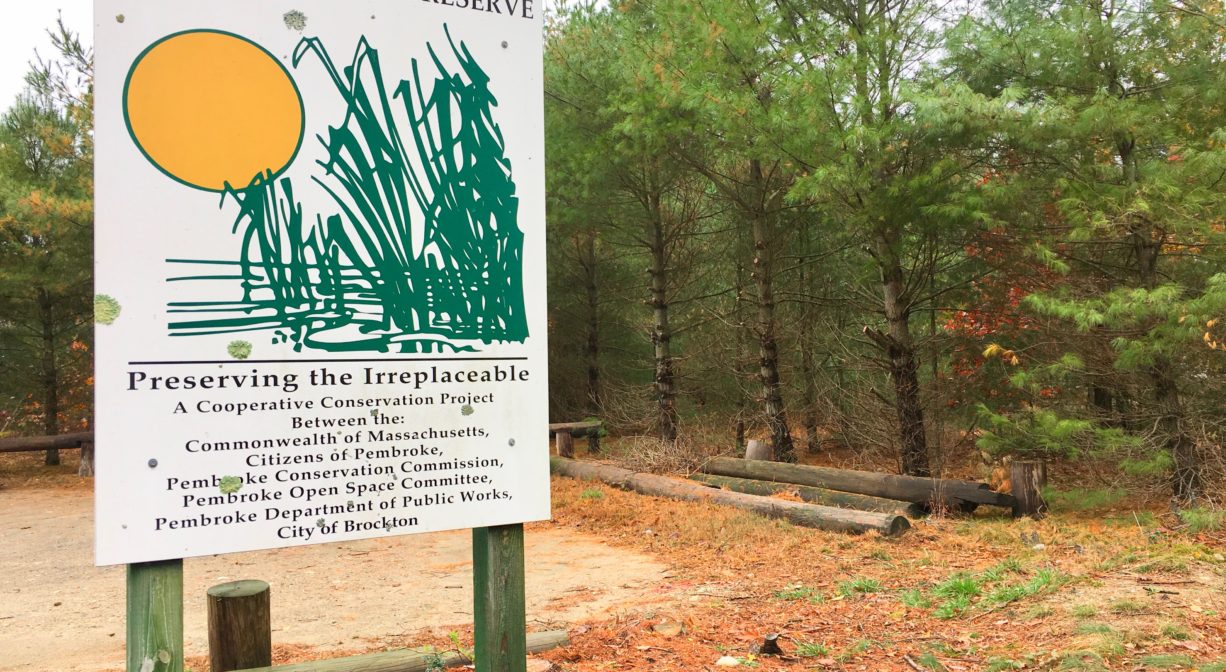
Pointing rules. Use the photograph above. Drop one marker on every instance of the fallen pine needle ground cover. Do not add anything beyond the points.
(1094, 586)
(1092, 590)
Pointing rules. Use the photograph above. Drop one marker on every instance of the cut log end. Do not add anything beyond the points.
(1028, 480)
(566, 443)
(770, 645)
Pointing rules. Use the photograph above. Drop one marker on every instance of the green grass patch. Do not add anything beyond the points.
(1082, 660)
(1093, 629)
(1083, 500)
(958, 585)
(953, 607)
(962, 591)
(914, 598)
(1084, 611)
(793, 593)
(1036, 613)
(1127, 607)
(1043, 580)
(592, 493)
(1203, 519)
(857, 647)
(1109, 644)
(929, 661)
(1176, 632)
(1166, 661)
(859, 586)
(1000, 570)
(811, 649)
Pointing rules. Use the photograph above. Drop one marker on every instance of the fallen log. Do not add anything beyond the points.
(842, 500)
(923, 491)
(577, 429)
(797, 513)
(23, 444)
(409, 660)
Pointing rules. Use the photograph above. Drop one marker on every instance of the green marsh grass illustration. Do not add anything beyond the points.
(423, 253)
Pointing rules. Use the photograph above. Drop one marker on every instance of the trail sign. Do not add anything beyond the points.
(320, 272)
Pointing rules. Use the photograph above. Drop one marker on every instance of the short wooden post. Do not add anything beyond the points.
(1028, 478)
(593, 441)
(155, 616)
(86, 468)
(240, 626)
(566, 443)
(498, 598)
(759, 450)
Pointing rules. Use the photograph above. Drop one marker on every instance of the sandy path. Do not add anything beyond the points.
(58, 611)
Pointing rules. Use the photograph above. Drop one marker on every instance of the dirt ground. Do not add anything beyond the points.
(352, 596)
(643, 583)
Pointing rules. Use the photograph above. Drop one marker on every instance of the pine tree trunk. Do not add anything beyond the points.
(741, 349)
(592, 352)
(50, 377)
(1188, 480)
(807, 357)
(900, 349)
(661, 333)
(809, 392)
(768, 362)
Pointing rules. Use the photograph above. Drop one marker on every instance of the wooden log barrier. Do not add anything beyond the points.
(1028, 480)
(951, 493)
(797, 513)
(240, 626)
(29, 444)
(589, 429)
(586, 428)
(845, 500)
(411, 660)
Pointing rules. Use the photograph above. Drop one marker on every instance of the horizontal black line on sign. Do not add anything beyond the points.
(335, 361)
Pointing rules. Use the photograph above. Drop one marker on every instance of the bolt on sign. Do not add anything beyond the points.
(320, 272)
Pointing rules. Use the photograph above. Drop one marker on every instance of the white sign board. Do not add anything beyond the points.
(320, 272)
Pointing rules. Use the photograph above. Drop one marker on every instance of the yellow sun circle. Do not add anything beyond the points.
(212, 109)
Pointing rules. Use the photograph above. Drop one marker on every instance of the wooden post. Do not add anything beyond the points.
(593, 442)
(759, 450)
(240, 626)
(499, 618)
(566, 443)
(155, 616)
(86, 468)
(1028, 480)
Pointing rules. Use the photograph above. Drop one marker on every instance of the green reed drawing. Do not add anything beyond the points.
(423, 253)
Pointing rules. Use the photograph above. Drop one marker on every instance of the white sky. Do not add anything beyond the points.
(23, 28)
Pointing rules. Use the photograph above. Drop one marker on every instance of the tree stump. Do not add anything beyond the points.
(86, 467)
(240, 626)
(566, 444)
(759, 450)
(1028, 480)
